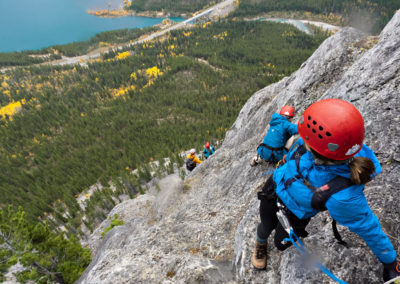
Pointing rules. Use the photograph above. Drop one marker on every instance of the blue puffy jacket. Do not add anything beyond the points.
(348, 207)
(278, 134)
(208, 152)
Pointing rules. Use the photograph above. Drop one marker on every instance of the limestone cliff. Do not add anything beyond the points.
(206, 231)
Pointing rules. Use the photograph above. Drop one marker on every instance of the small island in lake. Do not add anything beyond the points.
(114, 13)
(125, 11)
(111, 13)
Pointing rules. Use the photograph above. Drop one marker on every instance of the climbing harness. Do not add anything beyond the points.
(271, 148)
(272, 156)
(297, 243)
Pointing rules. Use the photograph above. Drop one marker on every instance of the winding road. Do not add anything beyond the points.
(221, 9)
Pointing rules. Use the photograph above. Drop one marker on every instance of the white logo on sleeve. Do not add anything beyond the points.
(352, 150)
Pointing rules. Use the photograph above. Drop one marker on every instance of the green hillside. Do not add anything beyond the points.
(367, 15)
(47, 257)
(105, 40)
(175, 7)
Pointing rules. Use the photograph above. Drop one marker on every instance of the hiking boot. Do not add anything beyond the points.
(391, 271)
(259, 257)
(255, 161)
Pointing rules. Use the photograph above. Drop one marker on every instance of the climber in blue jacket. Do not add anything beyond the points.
(281, 129)
(330, 154)
(208, 150)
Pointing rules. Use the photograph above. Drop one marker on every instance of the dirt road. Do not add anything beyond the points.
(221, 9)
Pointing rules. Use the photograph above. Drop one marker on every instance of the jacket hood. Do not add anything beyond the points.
(339, 170)
(277, 119)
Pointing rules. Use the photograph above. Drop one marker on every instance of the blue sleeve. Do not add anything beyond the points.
(355, 214)
(212, 150)
(366, 152)
(291, 128)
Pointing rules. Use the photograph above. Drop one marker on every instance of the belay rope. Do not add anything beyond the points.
(297, 243)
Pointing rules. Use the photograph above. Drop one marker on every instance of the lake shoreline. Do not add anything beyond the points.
(68, 25)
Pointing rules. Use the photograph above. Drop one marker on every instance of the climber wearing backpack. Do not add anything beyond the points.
(192, 160)
(208, 150)
(281, 129)
(326, 169)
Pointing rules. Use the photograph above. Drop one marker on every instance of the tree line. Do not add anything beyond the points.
(367, 15)
(104, 39)
(84, 125)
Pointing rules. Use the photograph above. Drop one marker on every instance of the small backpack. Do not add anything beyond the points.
(190, 165)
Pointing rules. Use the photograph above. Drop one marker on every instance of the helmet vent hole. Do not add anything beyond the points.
(321, 128)
(328, 134)
(313, 130)
(314, 122)
(308, 125)
(319, 136)
(309, 117)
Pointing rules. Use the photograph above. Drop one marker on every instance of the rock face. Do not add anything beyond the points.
(206, 232)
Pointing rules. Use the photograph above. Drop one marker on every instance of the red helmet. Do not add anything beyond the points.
(334, 128)
(207, 145)
(287, 110)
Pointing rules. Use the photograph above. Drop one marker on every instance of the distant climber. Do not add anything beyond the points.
(192, 160)
(208, 150)
(326, 169)
(281, 129)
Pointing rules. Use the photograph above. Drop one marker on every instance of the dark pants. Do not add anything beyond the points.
(270, 155)
(269, 221)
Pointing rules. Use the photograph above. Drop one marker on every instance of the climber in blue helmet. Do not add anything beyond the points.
(281, 129)
(326, 169)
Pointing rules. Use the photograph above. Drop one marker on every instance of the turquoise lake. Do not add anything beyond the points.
(34, 24)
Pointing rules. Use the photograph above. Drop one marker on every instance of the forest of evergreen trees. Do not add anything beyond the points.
(76, 126)
(174, 7)
(367, 15)
(105, 39)
(47, 257)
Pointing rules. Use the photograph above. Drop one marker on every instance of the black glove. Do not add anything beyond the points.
(391, 270)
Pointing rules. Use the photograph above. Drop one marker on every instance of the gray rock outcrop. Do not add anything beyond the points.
(206, 232)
